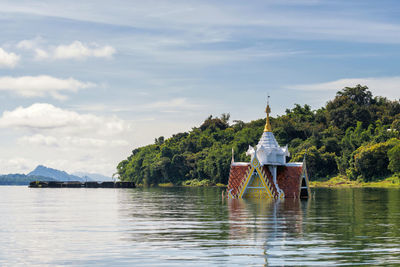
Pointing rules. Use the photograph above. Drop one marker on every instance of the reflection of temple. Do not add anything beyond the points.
(270, 226)
(266, 220)
(268, 175)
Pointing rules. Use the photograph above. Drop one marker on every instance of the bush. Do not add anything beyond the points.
(197, 183)
(331, 134)
(371, 161)
(320, 163)
(394, 158)
(166, 185)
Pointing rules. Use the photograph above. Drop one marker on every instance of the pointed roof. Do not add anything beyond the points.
(268, 149)
(267, 127)
(268, 141)
(256, 167)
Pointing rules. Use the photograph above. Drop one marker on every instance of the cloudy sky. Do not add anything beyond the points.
(82, 83)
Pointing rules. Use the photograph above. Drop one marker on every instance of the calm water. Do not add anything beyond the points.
(194, 226)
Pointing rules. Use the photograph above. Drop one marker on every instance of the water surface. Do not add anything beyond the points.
(196, 227)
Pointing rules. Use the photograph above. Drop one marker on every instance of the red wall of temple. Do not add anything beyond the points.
(288, 179)
(236, 175)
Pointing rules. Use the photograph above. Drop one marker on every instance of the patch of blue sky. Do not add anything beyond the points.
(176, 62)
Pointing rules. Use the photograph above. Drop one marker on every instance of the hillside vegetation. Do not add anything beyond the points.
(355, 135)
(55, 174)
(42, 173)
(21, 179)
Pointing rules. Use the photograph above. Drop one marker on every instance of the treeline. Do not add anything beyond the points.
(355, 134)
(21, 179)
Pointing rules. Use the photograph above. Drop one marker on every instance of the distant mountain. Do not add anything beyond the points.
(54, 174)
(93, 176)
(42, 173)
(21, 179)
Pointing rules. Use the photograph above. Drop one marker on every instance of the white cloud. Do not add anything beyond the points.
(269, 18)
(63, 139)
(34, 45)
(382, 86)
(8, 60)
(16, 165)
(43, 85)
(78, 50)
(40, 54)
(39, 139)
(176, 103)
(70, 142)
(42, 116)
(28, 44)
(207, 57)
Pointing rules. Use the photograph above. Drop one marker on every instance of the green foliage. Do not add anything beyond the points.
(371, 160)
(197, 183)
(315, 158)
(166, 185)
(394, 159)
(349, 136)
(395, 125)
(350, 106)
(21, 179)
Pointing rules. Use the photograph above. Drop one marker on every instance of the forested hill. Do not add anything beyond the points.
(355, 134)
(21, 179)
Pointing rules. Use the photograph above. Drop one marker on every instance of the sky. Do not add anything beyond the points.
(82, 83)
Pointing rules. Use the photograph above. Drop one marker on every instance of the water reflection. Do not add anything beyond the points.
(194, 226)
(349, 226)
(271, 223)
(266, 218)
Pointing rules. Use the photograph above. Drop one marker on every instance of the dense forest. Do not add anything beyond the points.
(21, 179)
(355, 135)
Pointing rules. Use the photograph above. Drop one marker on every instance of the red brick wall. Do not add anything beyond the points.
(288, 179)
(236, 175)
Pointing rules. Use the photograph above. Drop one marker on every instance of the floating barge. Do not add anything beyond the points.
(77, 184)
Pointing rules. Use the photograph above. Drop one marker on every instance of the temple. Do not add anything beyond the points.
(268, 175)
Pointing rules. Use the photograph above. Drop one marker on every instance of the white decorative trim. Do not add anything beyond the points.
(273, 171)
(294, 164)
(240, 164)
(255, 167)
(268, 150)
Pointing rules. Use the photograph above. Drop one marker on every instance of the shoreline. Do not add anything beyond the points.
(334, 182)
(343, 182)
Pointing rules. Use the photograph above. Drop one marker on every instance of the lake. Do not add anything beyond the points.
(196, 227)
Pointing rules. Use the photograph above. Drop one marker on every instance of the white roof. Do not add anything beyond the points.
(268, 141)
(268, 150)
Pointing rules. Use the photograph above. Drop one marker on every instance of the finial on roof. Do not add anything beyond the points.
(267, 127)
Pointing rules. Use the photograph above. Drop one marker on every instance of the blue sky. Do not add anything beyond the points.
(82, 83)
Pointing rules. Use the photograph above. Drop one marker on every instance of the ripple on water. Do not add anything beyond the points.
(194, 226)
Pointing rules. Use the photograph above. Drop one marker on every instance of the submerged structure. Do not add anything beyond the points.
(267, 175)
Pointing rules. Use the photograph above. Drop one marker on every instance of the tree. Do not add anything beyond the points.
(349, 106)
(359, 94)
(320, 163)
(352, 135)
(394, 158)
(225, 117)
(216, 123)
(371, 161)
(395, 126)
(159, 140)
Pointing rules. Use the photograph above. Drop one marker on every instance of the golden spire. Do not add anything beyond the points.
(267, 127)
